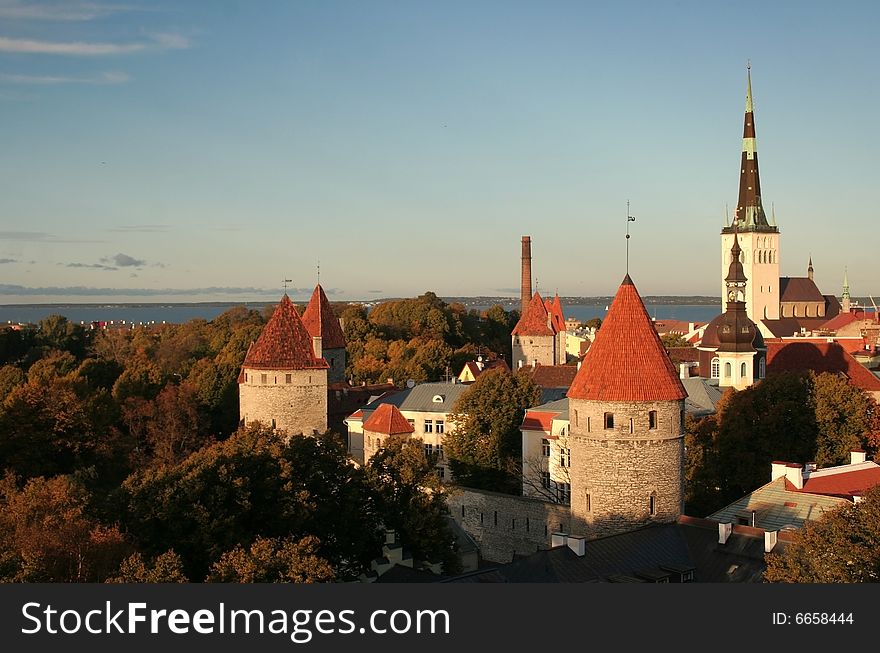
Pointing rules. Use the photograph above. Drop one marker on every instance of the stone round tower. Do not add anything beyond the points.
(626, 411)
(283, 380)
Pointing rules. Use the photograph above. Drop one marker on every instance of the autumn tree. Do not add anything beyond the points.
(411, 500)
(46, 534)
(842, 546)
(485, 443)
(57, 332)
(10, 378)
(273, 560)
(164, 568)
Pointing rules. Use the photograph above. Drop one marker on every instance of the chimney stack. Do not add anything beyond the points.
(526, 285)
(857, 456)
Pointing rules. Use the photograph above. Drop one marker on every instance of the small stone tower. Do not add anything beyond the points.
(321, 322)
(626, 413)
(736, 332)
(386, 420)
(283, 380)
(534, 339)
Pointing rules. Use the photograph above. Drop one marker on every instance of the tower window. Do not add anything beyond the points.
(631, 425)
(762, 368)
(727, 370)
(588, 424)
(588, 503)
(742, 370)
(652, 503)
(264, 378)
(288, 378)
(716, 368)
(609, 420)
(652, 419)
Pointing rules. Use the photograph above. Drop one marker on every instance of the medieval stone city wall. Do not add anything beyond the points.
(298, 406)
(503, 525)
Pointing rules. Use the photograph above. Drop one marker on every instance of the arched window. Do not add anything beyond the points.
(742, 371)
(716, 368)
(727, 371)
(762, 367)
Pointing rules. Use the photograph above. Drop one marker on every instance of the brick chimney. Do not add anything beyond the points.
(526, 282)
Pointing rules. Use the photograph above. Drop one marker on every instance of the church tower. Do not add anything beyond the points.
(626, 414)
(321, 322)
(736, 332)
(759, 239)
(283, 380)
(845, 299)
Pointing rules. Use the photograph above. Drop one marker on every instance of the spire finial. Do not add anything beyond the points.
(284, 283)
(629, 219)
(749, 105)
(319, 272)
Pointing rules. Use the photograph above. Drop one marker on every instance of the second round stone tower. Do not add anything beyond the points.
(626, 410)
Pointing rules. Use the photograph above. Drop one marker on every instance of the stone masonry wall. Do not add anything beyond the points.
(336, 359)
(299, 406)
(503, 525)
(530, 348)
(615, 472)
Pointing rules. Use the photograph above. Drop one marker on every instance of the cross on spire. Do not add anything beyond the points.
(284, 283)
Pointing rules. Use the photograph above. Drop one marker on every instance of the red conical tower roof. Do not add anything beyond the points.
(388, 420)
(320, 320)
(534, 321)
(627, 361)
(284, 343)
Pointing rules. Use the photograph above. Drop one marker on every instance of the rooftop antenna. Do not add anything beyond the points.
(629, 219)
(284, 283)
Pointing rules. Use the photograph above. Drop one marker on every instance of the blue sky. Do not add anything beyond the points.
(215, 148)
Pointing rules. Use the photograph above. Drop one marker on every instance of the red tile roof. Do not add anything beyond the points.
(845, 483)
(320, 320)
(388, 420)
(793, 356)
(537, 421)
(551, 376)
(284, 343)
(473, 366)
(627, 361)
(535, 320)
(554, 308)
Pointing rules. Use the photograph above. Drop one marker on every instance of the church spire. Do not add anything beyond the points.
(846, 299)
(749, 210)
(810, 268)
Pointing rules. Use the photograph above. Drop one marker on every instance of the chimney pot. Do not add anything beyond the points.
(724, 531)
(857, 456)
(769, 541)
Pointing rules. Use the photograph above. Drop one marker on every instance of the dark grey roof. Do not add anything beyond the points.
(421, 398)
(703, 395)
(739, 560)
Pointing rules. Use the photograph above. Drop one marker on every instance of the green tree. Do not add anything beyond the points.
(273, 560)
(56, 332)
(674, 340)
(255, 484)
(844, 417)
(53, 364)
(485, 445)
(843, 546)
(593, 323)
(164, 568)
(411, 499)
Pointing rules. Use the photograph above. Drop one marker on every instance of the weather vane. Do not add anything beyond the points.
(629, 219)
(319, 272)
(284, 282)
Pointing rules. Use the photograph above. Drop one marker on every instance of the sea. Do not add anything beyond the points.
(178, 313)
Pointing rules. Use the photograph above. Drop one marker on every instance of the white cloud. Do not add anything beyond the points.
(98, 79)
(161, 41)
(58, 11)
